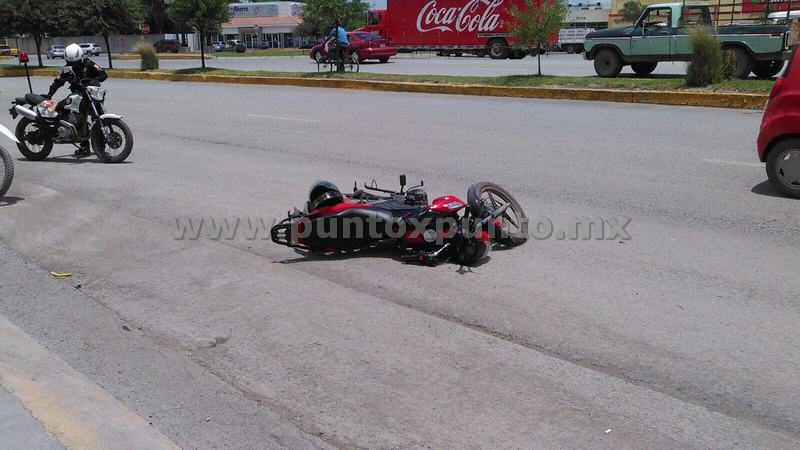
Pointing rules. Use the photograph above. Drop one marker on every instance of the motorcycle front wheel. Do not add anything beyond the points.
(7, 172)
(28, 130)
(112, 141)
(512, 228)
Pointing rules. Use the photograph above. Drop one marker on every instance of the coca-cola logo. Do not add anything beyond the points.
(475, 15)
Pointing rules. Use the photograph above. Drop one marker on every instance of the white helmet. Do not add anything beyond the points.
(73, 53)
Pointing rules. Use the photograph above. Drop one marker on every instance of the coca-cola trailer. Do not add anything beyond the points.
(449, 26)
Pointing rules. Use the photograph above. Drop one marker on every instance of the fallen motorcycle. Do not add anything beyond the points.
(44, 123)
(445, 229)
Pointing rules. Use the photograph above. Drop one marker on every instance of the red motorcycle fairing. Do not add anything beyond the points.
(447, 204)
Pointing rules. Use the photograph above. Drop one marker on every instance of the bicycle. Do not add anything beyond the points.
(351, 63)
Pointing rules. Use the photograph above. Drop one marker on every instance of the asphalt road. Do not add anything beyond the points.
(684, 336)
(552, 64)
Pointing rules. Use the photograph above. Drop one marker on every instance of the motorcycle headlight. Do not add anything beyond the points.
(96, 93)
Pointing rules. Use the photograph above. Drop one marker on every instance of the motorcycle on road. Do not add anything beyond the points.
(447, 228)
(45, 123)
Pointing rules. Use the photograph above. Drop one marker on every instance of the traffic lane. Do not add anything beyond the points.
(620, 310)
(560, 64)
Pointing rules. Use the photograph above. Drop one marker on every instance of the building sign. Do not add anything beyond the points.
(245, 10)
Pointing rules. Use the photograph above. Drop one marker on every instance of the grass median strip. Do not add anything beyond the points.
(665, 90)
(656, 83)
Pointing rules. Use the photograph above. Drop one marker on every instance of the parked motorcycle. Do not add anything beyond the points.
(445, 229)
(6, 164)
(45, 123)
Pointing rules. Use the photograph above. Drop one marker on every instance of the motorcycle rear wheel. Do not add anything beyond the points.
(7, 174)
(514, 228)
(33, 152)
(119, 145)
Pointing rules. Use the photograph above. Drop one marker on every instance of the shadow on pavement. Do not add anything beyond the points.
(385, 250)
(8, 201)
(765, 188)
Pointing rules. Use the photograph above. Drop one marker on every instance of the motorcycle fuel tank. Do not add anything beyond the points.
(446, 204)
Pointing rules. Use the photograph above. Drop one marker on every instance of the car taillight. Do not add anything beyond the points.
(776, 88)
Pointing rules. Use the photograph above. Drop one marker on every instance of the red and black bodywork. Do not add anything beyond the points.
(446, 228)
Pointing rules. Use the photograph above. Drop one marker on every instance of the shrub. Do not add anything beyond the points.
(148, 55)
(708, 63)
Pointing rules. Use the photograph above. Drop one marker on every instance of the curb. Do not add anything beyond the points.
(161, 56)
(676, 98)
(72, 408)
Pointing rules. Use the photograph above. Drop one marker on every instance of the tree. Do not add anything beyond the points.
(36, 18)
(104, 17)
(536, 23)
(203, 16)
(156, 16)
(631, 10)
(318, 16)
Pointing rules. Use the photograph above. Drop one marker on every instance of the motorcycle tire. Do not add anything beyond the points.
(7, 172)
(99, 144)
(27, 152)
(502, 235)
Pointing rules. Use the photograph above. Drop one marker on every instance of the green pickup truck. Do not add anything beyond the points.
(662, 34)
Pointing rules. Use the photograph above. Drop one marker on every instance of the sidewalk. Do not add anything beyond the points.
(18, 428)
(46, 400)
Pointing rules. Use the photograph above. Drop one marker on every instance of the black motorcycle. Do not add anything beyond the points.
(69, 121)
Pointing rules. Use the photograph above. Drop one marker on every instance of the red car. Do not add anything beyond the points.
(779, 138)
(364, 45)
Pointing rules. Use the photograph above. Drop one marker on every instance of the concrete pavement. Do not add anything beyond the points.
(662, 339)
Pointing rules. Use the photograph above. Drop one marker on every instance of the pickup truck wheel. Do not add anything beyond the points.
(644, 68)
(607, 63)
(783, 167)
(768, 69)
(740, 65)
(498, 49)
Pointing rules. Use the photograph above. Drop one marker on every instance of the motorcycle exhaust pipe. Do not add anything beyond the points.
(25, 112)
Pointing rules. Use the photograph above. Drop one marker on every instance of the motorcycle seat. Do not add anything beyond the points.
(33, 99)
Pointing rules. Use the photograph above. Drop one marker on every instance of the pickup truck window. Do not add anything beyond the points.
(695, 15)
(656, 17)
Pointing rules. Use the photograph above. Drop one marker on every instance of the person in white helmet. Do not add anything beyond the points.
(83, 68)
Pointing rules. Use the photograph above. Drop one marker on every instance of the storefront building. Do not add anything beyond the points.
(264, 25)
(587, 15)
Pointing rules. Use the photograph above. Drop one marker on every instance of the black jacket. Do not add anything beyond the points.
(85, 68)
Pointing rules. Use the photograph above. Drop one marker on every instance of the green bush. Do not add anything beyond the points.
(708, 63)
(148, 55)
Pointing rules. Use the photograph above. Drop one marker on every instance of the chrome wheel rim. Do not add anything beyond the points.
(510, 222)
(788, 168)
(114, 140)
(33, 148)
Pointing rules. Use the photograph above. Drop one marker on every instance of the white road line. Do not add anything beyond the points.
(733, 163)
(260, 116)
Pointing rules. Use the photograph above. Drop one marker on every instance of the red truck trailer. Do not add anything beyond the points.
(450, 26)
